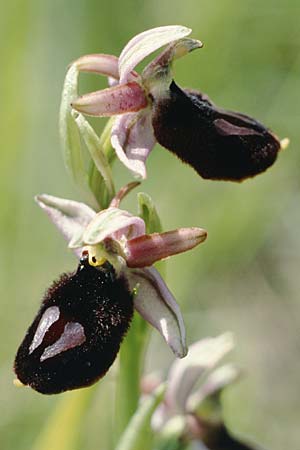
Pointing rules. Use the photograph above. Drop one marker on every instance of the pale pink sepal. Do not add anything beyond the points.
(202, 357)
(145, 250)
(70, 217)
(114, 223)
(215, 383)
(118, 99)
(157, 305)
(99, 63)
(146, 43)
(132, 137)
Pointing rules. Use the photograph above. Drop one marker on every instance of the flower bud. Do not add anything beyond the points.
(77, 332)
(218, 144)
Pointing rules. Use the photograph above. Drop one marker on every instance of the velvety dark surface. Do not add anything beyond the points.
(102, 304)
(219, 438)
(218, 144)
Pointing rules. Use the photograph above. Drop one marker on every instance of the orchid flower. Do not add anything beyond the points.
(84, 316)
(192, 408)
(150, 107)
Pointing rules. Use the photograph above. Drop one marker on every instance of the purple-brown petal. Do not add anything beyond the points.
(115, 100)
(147, 249)
(218, 144)
(99, 63)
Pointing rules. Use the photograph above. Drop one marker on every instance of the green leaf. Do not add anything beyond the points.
(138, 434)
(131, 359)
(95, 183)
(102, 185)
(69, 133)
(148, 213)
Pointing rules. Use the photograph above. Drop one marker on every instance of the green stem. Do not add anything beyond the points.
(131, 360)
(105, 141)
(138, 434)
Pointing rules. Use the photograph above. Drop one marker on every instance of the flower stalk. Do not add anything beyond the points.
(116, 287)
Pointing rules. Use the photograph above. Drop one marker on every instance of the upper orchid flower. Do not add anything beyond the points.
(84, 316)
(150, 107)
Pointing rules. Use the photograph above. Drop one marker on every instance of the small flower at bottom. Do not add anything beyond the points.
(218, 144)
(192, 411)
(84, 316)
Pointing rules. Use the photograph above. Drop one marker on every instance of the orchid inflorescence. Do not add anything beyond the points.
(85, 314)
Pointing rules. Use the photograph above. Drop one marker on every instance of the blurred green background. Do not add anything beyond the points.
(245, 278)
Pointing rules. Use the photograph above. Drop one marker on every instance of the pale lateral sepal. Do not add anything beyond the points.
(70, 217)
(156, 304)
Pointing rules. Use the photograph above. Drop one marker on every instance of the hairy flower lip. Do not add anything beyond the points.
(218, 144)
(221, 144)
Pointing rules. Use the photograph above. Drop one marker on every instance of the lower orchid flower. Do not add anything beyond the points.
(192, 408)
(84, 315)
(218, 144)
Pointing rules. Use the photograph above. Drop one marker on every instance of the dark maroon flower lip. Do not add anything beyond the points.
(218, 144)
(76, 335)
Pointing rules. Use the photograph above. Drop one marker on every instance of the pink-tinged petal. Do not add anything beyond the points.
(133, 138)
(146, 43)
(114, 223)
(99, 63)
(119, 99)
(146, 250)
(70, 217)
(214, 384)
(157, 305)
(202, 357)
